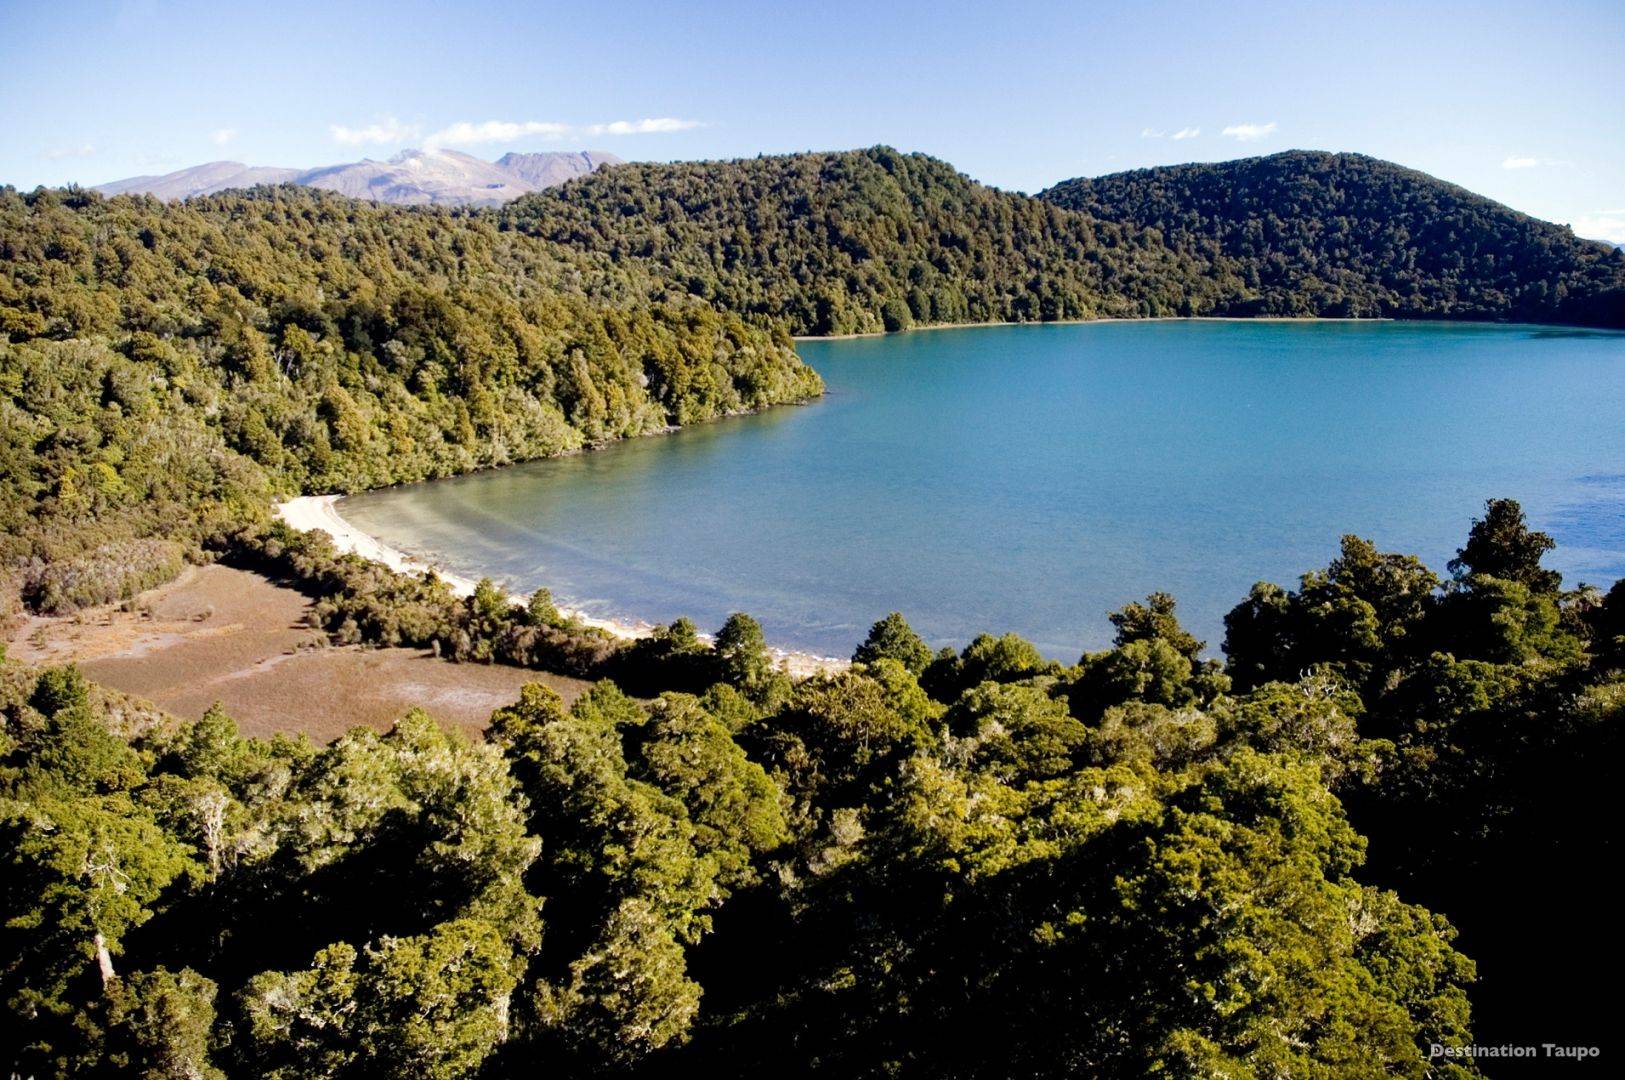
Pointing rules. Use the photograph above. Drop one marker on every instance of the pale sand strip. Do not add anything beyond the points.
(321, 512)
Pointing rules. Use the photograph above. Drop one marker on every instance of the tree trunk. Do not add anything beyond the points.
(104, 961)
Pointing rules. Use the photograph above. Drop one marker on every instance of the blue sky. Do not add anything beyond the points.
(1522, 102)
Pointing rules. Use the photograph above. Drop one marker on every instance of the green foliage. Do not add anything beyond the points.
(741, 652)
(1359, 616)
(892, 638)
(1008, 658)
(1127, 867)
(861, 242)
(690, 754)
(59, 690)
(168, 367)
(1153, 620)
(1501, 545)
(1308, 233)
(626, 879)
(160, 1026)
(1156, 661)
(1013, 733)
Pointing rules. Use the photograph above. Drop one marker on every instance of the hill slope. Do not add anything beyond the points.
(863, 241)
(1302, 233)
(165, 367)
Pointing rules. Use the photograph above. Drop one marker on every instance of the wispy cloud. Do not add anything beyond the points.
(1606, 225)
(222, 136)
(390, 131)
(387, 130)
(466, 133)
(1250, 132)
(1516, 161)
(657, 125)
(1158, 133)
(1186, 133)
(1152, 133)
(57, 153)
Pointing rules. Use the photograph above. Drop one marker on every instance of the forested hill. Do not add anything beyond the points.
(863, 241)
(1304, 233)
(166, 368)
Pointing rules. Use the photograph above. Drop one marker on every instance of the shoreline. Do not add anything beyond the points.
(1121, 319)
(320, 512)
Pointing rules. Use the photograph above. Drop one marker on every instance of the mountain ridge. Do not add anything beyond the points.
(436, 177)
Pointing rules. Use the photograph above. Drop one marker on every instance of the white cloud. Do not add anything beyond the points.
(388, 130)
(1606, 225)
(57, 153)
(466, 133)
(658, 125)
(222, 136)
(1158, 133)
(1250, 132)
(1517, 161)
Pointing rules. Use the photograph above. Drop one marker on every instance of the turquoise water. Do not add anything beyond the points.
(1034, 478)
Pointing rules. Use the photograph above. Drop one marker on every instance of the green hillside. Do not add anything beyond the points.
(1304, 233)
(862, 241)
(165, 367)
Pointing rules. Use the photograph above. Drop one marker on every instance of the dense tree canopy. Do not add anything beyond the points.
(166, 369)
(862, 242)
(1145, 862)
(1303, 233)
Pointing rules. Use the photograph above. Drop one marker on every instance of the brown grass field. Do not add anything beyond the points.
(221, 634)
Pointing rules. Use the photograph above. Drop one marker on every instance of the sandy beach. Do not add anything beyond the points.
(321, 512)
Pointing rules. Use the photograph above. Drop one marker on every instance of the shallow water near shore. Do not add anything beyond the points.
(1033, 478)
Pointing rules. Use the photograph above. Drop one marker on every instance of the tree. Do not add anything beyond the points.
(625, 886)
(742, 657)
(59, 690)
(1013, 733)
(1155, 619)
(688, 753)
(894, 639)
(542, 610)
(1501, 545)
(160, 1026)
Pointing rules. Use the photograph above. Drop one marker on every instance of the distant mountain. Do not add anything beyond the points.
(419, 177)
(412, 177)
(1308, 233)
(200, 180)
(550, 169)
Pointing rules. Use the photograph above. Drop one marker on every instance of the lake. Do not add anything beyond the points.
(1032, 478)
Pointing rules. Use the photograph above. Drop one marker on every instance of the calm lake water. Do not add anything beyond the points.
(1033, 478)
